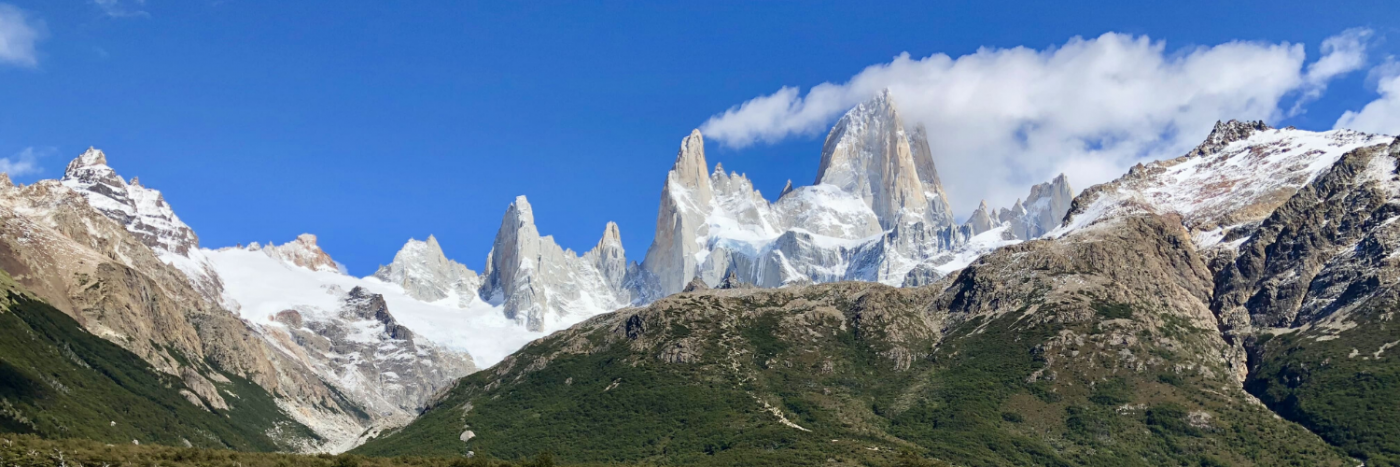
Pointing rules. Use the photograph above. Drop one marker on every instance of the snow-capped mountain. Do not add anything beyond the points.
(1226, 186)
(537, 280)
(343, 327)
(426, 274)
(876, 212)
(302, 252)
(144, 213)
(327, 361)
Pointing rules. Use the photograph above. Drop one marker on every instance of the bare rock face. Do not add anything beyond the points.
(1043, 211)
(1326, 249)
(425, 273)
(368, 355)
(868, 153)
(541, 284)
(114, 256)
(609, 258)
(877, 211)
(144, 213)
(980, 220)
(685, 203)
(302, 252)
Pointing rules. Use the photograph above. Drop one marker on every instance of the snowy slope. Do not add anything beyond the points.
(258, 286)
(1240, 175)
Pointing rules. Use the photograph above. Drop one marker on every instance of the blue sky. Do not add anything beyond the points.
(367, 123)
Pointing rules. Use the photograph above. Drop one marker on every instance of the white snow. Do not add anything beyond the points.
(257, 286)
(1268, 166)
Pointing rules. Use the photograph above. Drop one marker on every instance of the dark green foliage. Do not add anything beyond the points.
(58, 381)
(1337, 388)
(32, 451)
(1110, 310)
(968, 402)
(1112, 392)
(762, 334)
(1171, 418)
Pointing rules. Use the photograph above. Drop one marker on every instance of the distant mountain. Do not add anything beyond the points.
(1144, 329)
(113, 256)
(1143, 320)
(877, 212)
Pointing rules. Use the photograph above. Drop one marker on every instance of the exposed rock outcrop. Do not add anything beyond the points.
(425, 273)
(303, 252)
(115, 257)
(539, 283)
(370, 356)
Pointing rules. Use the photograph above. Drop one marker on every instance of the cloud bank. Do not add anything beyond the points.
(122, 9)
(18, 34)
(1381, 115)
(1000, 120)
(23, 163)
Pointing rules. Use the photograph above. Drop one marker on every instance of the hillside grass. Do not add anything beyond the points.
(33, 451)
(1339, 388)
(59, 381)
(969, 402)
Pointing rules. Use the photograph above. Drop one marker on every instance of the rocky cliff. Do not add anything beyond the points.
(539, 282)
(1145, 328)
(114, 257)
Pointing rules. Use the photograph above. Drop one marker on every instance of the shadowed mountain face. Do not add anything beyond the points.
(59, 381)
(1144, 331)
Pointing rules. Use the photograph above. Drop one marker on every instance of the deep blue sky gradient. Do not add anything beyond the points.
(367, 123)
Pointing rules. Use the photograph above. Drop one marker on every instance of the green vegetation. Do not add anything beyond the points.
(1346, 389)
(32, 451)
(1107, 310)
(58, 381)
(968, 402)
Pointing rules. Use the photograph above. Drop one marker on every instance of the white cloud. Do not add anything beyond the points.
(122, 8)
(22, 163)
(18, 34)
(1001, 119)
(1381, 115)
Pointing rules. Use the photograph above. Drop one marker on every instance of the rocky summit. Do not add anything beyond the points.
(1231, 306)
(1160, 323)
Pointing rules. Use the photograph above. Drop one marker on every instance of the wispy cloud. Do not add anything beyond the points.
(1001, 119)
(25, 162)
(122, 8)
(1383, 114)
(18, 34)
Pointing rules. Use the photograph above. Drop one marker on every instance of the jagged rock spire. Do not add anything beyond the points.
(609, 258)
(686, 200)
(425, 273)
(981, 219)
(538, 282)
(303, 252)
(1225, 133)
(869, 154)
(142, 210)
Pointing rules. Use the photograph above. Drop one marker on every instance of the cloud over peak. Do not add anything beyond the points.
(1383, 114)
(18, 34)
(1001, 119)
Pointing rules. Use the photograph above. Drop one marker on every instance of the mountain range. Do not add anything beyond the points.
(1171, 315)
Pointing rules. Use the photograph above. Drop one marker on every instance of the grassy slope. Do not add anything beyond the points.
(58, 381)
(968, 403)
(1339, 388)
(29, 450)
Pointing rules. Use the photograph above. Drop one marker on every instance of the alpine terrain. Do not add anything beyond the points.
(1231, 306)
